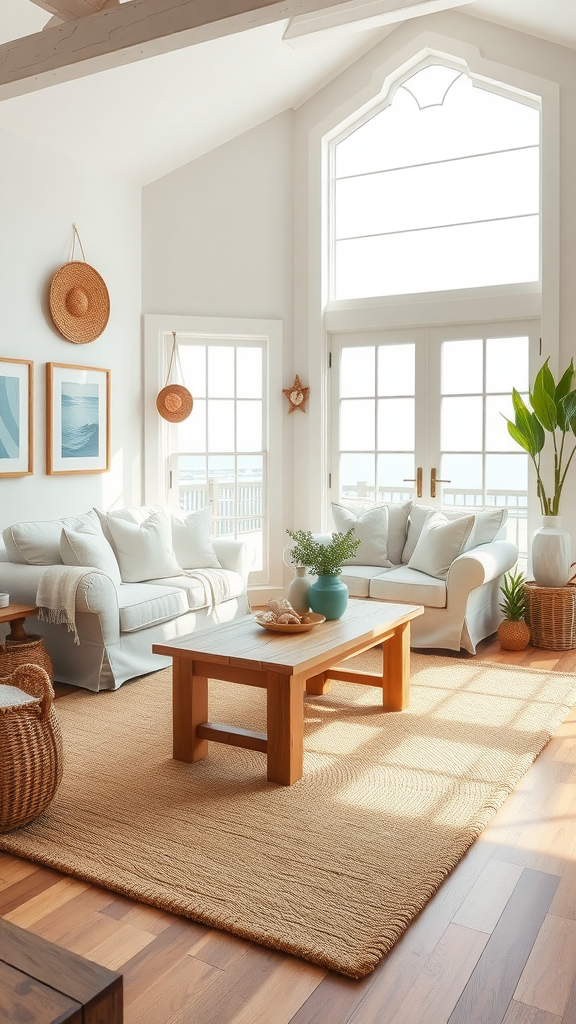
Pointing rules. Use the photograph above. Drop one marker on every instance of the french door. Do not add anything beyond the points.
(419, 413)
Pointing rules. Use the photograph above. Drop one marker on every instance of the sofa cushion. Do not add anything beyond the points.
(88, 546)
(417, 518)
(486, 526)
(357, 578)
(132, 515)
(144, 550)
(370, 528)
(440, 542)
(397, 523)
(408, 586)
(38, 543)
(228, 585)
(192, 540)
(143, 604)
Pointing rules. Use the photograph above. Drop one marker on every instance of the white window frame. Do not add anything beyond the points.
(158, 334)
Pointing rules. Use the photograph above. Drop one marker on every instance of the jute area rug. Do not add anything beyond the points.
(332, 869)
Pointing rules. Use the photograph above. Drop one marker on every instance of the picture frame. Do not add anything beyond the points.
(16, 417)
(77, 419)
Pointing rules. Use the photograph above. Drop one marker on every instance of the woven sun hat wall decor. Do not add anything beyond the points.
(79, 300)
(174, 401)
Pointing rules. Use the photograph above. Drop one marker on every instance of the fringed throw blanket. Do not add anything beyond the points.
(56, 596)
(215, 582)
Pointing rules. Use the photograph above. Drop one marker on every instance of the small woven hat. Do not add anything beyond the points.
(174, 403)
(79, 302)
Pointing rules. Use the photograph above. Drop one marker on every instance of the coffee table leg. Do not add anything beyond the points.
(396, 670)
(285, 713)
(189, 709)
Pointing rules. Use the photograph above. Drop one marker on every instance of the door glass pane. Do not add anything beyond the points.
(497, 437)
(461, 367)
(192, 483)
(396, 424)
(357, 372)
(464, 476)
(396, 369)
(357, 424)
(357, 475)
(461, 424)
(220, 426)
(506, 473)
(193, 359)
(248, 426)
(192, 431)
(249, 373)
(221, 371)
(393, 471)
(506, 364)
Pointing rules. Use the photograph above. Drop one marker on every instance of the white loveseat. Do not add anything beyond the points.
(450, 562)
(141, 577)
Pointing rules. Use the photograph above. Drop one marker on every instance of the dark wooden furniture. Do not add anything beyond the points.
(15, 614)
(285, 665)
(41, 983)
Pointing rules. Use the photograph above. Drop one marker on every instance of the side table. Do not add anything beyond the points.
(21, 647)
(16, 614)
(551, 616)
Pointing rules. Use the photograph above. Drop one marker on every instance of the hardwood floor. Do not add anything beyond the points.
(496, 944)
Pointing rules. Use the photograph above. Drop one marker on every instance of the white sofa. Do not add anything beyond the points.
(411, 554)
(128, 596)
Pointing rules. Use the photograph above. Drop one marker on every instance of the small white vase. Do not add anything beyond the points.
(551, 553)
(298, 590)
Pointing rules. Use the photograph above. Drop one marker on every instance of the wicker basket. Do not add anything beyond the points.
(551, 615)
(30, 651)
(30, 747)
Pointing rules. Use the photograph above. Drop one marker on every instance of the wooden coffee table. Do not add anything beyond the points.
(286, 665)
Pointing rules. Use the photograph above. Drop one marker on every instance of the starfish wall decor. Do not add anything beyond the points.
(296, 395)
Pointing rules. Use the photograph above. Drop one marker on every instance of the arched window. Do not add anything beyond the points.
(437, 190)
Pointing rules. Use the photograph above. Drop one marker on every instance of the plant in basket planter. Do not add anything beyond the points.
(554, 413)
(328, 595)
(513, 632)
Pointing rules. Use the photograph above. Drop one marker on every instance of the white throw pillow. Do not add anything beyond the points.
(88, 546)
(418, 516)
(486, 526)
(371, 529)
(144, 550)
(192, 541)
(397, 522)
(38, 543)
(440, 542)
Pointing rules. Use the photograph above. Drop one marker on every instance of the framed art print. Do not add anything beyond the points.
(15, 417)
(77, 419)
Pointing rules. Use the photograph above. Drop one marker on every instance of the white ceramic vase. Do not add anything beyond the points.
(298, 590)
(551, 555)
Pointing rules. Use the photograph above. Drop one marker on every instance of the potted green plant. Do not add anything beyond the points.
(553, 413)
(513, 631)
(328, 595)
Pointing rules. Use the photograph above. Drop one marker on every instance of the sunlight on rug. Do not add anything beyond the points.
(332, 869)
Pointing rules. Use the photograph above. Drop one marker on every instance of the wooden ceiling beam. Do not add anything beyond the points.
(129, 32)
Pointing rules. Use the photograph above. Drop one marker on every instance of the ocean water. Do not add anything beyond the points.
(80, 426)
(9, 417)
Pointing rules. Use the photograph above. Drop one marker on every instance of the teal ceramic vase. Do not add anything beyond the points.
(329, 596)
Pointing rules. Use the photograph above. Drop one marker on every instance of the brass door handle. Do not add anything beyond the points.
(436, 480)
(416, 480)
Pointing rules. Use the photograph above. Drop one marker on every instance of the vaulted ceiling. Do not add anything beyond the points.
(144, 119)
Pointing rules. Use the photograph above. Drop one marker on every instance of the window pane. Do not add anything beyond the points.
(505, 473)
(396, 424)
(220, 371)
(497, 437)
(439, 259)
(463, 473)
(220, 426)
(396, 369)
(357, 424)
(461, 424)
(193, 359)
(192, 431)
(249, 426)
(254, 540)
(249, 372)
(249, 492)
(473, 189)
(461, 367)
(357, 475)
(221, 476)
(357, 372)
(507, 364)
(192, 483)
(392, 471)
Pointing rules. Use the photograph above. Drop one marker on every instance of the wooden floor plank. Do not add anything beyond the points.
(73, 915)
(26, 888)
(550, 972)
(493, 982)
(564, 902)
(155, 960)
(520, 1013)
(119, 947)
(488, 896)
(280, 995)
(176, 991)
(43, 903)
(219, 949)
(13, 869)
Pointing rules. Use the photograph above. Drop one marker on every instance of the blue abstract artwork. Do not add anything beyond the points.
(80, 420)
(9, 417)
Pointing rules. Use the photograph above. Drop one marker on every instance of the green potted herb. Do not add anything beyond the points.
(328, 595)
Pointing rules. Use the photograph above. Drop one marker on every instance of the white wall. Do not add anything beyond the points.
(42, 193)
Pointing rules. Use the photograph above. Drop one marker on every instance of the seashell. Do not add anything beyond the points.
(289, 617)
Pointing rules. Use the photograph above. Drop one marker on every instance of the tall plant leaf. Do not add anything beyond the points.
(527, 443)
(543, 398)
(562, 390)
(528, 425)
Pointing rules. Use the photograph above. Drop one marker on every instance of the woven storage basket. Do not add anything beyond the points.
(551, 615)
(30, 747)
(30, 651)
